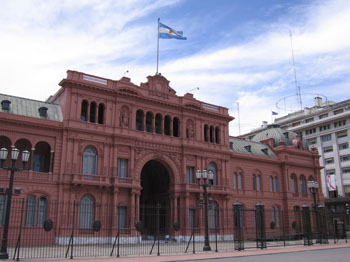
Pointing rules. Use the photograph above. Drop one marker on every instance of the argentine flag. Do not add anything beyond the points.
(165, 32)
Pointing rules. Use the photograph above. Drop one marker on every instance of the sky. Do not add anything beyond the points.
(238, 53)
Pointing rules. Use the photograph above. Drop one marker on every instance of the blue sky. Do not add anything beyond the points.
(238, 51)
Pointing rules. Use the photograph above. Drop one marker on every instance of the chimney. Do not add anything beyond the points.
(318, 101)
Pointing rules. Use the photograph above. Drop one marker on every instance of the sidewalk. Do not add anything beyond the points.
(199, 256)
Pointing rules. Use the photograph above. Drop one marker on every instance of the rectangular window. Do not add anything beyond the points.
(343, 146)
(121, 217)
(330, 172)
(312, 141)
(309, 120)
(192, 220)
(345, 170)
(336, 112)
(296, 124)
(342, 134)
(42, 210)
(323, 116)
(328, 149)
(344, 158)
(310, 131)
(3, 199)
(254, 182)
(325, 127)
(30, 215)
(329, 160)
(326, 138)
(122, 167)
(190, 174)
(277, 216)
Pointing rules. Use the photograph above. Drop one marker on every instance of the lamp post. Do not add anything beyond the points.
(313, 186)
(205, 175)
(14, 157)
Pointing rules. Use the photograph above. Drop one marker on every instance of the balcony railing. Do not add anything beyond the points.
(27, 175)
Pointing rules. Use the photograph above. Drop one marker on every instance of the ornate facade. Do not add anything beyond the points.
(104, 141)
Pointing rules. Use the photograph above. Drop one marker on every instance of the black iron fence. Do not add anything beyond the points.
(58, 230)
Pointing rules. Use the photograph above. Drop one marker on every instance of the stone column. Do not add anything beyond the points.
(31, 168)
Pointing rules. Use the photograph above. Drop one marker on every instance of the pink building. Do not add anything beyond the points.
(113, 142)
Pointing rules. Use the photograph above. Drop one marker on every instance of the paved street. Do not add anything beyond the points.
(326, 255)
(320, 253)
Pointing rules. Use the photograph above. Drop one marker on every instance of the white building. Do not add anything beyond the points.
(326, 127)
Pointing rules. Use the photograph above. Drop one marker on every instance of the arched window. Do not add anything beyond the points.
(258, 183)
(149, 122)
(254, 182)
(277, 186)
(86, 211)
(213, 168)
(42, 157)
(139, 120)
(234, 180)
(211, 134)
(84, 110)
(213, 214)
(271, 184)
(217, 135)
(240, 180)
(101, 113)
(275, 216)
(90, 161)
(93, 112)
(206, 131)
(158, 124)
(302, 185)
(167, 120)
(293, 185)
(176, 127)
(24, 144)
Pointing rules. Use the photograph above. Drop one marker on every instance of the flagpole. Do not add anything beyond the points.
(158, 47)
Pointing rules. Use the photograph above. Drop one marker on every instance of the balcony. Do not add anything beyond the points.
(27, 176)
(94, 180)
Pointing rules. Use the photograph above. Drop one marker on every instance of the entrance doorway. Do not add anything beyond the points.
(154, 199)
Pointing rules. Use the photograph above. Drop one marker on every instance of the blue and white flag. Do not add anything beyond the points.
(274, 113)
(165, 32)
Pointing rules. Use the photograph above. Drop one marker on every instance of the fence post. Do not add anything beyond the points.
(238, 236)
(323, 238)
(307, 225)
(260, 225)
(158, 225)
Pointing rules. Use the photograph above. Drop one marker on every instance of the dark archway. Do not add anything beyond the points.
(155, 182)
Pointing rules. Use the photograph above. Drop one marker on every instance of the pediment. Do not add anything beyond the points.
(158, 85)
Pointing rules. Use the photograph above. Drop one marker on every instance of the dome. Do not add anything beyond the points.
(278, 134)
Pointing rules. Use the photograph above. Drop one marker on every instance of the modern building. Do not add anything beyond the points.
(132, 146)
(325, 126)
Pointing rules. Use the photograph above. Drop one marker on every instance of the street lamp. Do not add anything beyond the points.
(205, 175)
(14, 157)
(313, 186)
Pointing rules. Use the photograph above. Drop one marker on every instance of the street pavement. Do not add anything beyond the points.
(339, 252)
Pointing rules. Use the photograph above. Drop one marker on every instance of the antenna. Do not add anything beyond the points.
(127, 71)
(239, 120)
(193, 89)
(298, 94)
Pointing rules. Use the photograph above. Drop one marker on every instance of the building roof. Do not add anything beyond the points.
(238, 145)
(278, 134)
(28, 107)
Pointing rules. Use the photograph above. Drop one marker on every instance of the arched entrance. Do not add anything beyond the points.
(154, 200)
